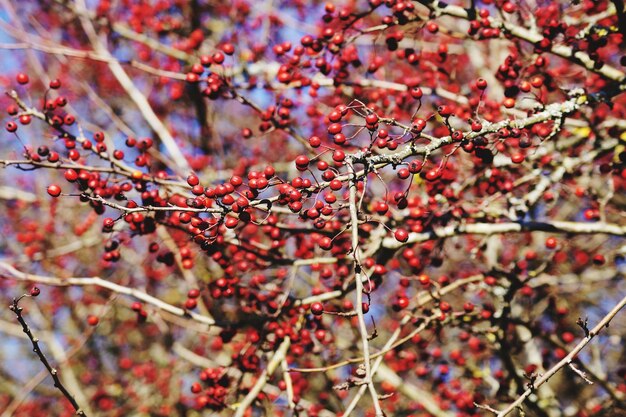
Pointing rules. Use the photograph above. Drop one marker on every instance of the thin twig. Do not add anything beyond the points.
(120, 289)
(35, 342)
(566, 360)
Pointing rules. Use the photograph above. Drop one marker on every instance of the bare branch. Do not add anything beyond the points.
(35, 342)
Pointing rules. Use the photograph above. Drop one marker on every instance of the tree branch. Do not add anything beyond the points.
(566, 360)
(15, 308)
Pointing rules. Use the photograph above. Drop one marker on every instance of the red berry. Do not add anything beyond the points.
(444, 306)
(228, 48)
(315, 141)
(402, 303)
(231, 222)
(108, 223)
(371, 119)
(509, 7)
(599, 259)
(11, 126)
(22, 78)
(35, 291)
(382, 207)
(509, 102)
(218, 57)
(302, 162)
(193, 180)
(444, 111)
(92, 320)
(432, 27)
(401, 235)
(334, 128)
(536, 82)
(568, 337)
(416, 93)
(325, 243)
(339, 156)
(404, 173)
(54, 190)
(317, 309)
(551, 243)
(424, 279)
(71, 175)
(334, 116)
(481, 83)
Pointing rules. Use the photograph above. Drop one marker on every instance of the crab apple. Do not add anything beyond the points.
(302, 162)
(315, 141)
(424, 279)
(401, 235)
(509, 103)
(22, 78)
(551, 243)
(401, 303)
(404, 173)
(108, 223)
(11, 126)
(193, 180)
(509, 7)
(325, 242)
(54, 190)
(445, 111)
(567, 337)
(599, 259)
(317, 309)
(432, 27)
(416, 93)
(70, 175)
(371, 119)
(339, 155)
(334, 128)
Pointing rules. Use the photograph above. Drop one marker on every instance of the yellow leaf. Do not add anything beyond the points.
(582, 132)
(618, 149)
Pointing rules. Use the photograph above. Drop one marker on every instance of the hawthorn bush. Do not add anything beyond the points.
(300, 208)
